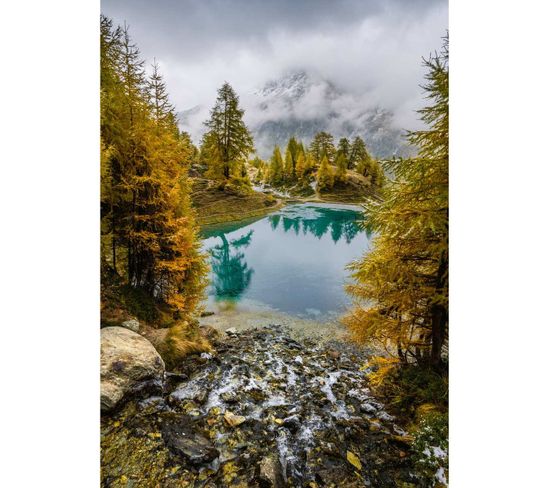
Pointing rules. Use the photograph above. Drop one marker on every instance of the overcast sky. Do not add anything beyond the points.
(371, 48)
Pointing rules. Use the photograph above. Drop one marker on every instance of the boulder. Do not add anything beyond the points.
(128, 361)
(132, 324)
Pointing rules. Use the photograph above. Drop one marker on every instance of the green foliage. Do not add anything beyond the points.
(430, 449)
(322, 145)
(357, 153)
(228, 142)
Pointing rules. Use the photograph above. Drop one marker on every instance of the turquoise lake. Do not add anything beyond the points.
(292, 261)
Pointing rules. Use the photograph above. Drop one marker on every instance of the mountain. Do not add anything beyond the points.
(301, 104)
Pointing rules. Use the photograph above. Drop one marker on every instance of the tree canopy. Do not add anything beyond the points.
(401, 285)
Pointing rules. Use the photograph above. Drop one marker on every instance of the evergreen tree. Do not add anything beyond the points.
(325, 177)
(403, 281)
(322, 145)
(358, 152)
(344, 148)
(228, 141)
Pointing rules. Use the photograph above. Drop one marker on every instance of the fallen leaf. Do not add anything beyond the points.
(353, 459)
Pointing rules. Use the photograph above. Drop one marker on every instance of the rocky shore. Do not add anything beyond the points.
(266, 410)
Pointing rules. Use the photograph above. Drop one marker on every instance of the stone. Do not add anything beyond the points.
(232, 419)
(128, 362)
(182, 441)
(271, 472)
(132, 324)
(231, 331)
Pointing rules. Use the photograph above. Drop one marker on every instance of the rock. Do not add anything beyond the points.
(192, 446)
(131, 324)
(128, 361)
(271, 472)
(207, 313)
(232, 419)
(231, 331)
(334, 354)
(292, 423)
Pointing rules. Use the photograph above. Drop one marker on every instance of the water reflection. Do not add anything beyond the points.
(293, 261)
(230, 272)
(341, 223)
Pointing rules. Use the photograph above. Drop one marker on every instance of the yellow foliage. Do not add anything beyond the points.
(182, 340)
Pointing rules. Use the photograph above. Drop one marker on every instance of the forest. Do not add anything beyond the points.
(158, 189)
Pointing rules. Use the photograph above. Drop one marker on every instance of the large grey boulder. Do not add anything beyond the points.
(128, 361)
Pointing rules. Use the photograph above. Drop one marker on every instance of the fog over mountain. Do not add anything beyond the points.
(361, 60)
(300, 104)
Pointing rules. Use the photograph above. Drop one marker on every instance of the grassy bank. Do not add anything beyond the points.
(215, 205)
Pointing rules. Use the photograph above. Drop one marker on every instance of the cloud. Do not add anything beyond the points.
(371, 50)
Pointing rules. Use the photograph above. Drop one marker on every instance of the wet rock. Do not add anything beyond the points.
(128, 361)
(271, 472)
(292, 423)
(132, 324)
(183, 441)
(232, 332)
(232, 419)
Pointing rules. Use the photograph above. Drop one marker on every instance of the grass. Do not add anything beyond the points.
(215, 204)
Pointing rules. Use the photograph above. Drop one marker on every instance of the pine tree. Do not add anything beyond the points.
(322, 145)
(228, 141)
(358, 152)
(325, 177)
(403, 281)
(275, 172)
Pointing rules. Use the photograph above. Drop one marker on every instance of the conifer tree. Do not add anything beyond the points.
(289, 171)
(228, 141)
(402, 283)
(301, 174)
(344, 148)
(325, 177)
(146, 215)
(341, 167)
(275, 173)
(358, 152)
(322, 145)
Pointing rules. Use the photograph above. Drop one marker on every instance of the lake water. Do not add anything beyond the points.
(292, 261)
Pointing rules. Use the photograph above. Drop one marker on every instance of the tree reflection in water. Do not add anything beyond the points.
(341, 224)
(231, 275)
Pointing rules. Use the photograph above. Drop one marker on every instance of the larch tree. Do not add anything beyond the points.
(145, 211)
(325, 176)
(275, 170)
(228, 141)
(401, 285)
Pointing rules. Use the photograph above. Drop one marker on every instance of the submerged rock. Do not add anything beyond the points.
(128, 362)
